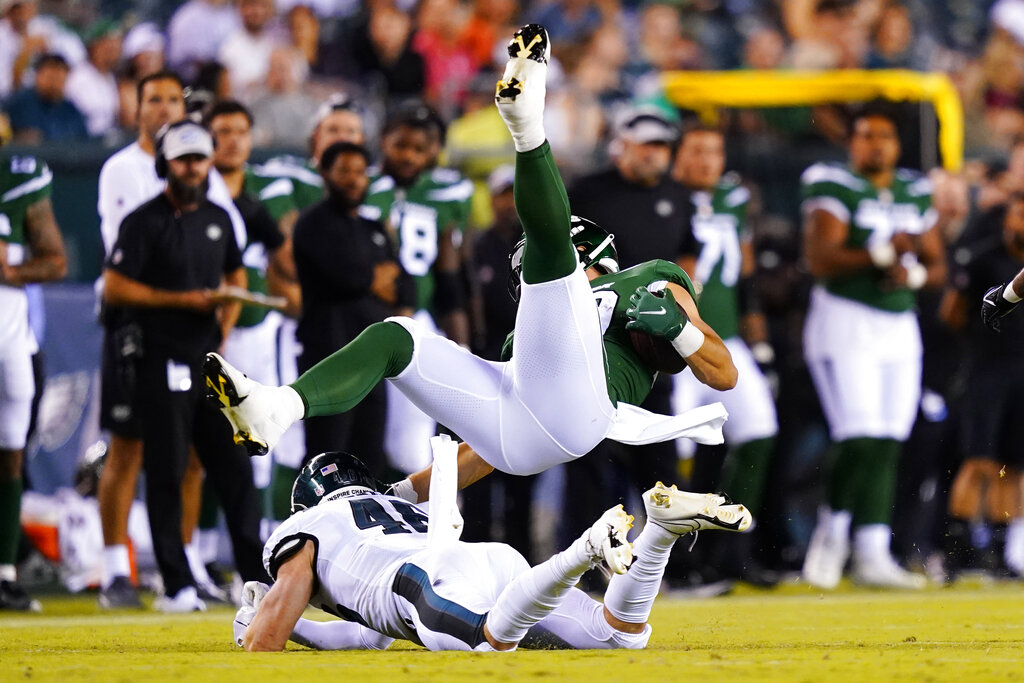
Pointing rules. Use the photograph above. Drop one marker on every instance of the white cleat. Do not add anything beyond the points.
(826, 556)
(184, 601)
(251, 408)
(884, 572)
(682, 512)
(521, 90)
(606, 540)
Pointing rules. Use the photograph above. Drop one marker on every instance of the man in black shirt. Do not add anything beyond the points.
(644, 209)
(171, 256)
(350, 279)
(989, 481)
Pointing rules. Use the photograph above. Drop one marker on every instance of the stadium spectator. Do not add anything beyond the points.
(24, 36)
(246, 51)
(143, 54)
(91, 84)
(304, 32)
(31, 250)
(449, 63)
(280, 107)
(42, 113)
(196, 31)
(383, 58)
(172, 255)
(871, 241)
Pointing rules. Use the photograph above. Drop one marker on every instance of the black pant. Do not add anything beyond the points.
(171, 421)
(359, 431)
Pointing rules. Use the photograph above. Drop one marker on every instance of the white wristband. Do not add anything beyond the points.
(404, 490)
(917, 275)
(1009, 294)
(689, 340)
(882, 255)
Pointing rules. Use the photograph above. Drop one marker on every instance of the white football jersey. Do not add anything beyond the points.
(360, 543)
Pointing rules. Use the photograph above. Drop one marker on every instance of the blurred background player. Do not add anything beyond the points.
(426, 209)
(31, 250)
(718, 252)
(871, 242)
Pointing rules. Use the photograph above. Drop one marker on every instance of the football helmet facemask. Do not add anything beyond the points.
(331, 475)
(594, 245)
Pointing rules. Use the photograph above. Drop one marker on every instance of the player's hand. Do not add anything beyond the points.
(904, 243)
(995, 307)
(655, 313)
(253, 592)
(243, 617)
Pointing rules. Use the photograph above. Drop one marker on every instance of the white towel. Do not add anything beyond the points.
(636, 426)
(446, 522)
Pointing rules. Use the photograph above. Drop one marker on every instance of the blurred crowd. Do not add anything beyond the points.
(69, 72)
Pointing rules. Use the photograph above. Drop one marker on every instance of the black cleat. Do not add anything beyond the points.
(531, 42)
(120, 594)
(13, 597)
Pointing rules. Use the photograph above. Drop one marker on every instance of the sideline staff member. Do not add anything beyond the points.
(168, 262)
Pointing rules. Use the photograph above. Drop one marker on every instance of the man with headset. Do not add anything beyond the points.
(171, 257)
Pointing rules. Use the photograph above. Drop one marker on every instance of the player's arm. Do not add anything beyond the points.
(280, 609)
(711, 363)
(48, 261)
(826, 252)
(450, 294)
(416, 488)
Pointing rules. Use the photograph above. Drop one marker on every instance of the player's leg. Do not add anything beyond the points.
(670, 514)
(16, 389)
(538, 591)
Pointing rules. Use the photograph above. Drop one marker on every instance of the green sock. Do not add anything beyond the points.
(209, 506)
(340, 381)
(10, 519)
(877, 489)
(543, 207)
(843, 482)
(745, 471)
(280, 491)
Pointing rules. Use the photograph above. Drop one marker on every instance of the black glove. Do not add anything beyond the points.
(995, 307)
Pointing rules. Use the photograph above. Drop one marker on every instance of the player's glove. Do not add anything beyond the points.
(655, 313)
(243, 617)
(253, 592)
(995, 307)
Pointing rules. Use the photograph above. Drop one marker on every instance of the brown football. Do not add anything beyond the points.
(657, 352)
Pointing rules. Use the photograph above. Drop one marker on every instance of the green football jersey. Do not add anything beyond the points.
(629, 379)
(873, 215)
(307, 185)
(437, 201)
(719, 228)
(24, 180)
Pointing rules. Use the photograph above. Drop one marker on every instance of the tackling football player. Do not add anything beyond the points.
(365, 557)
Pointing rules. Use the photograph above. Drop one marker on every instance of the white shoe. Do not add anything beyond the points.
(185, 600)
(682, 512)
(521, 90)
(251, 408)
(606, 540)
(826, 557)
(885, 572)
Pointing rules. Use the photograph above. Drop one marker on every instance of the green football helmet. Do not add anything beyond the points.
(595, 245)
(331, 475)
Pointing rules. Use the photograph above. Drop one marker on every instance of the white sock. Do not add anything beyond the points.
(537, 592)
(206, 541)
(195, 563)
(871, 542)
(289, 405)
(1014, 552)
(115, 563)
(8, 572)
(838, 522)
(630, 596)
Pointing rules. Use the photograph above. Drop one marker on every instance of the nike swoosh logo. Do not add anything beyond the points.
(660, 311)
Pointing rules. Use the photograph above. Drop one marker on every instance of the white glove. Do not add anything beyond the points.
(252, 593)
(243, 617)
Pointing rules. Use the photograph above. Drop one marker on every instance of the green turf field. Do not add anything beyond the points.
(965, 633)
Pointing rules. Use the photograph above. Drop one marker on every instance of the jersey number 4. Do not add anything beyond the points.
(368, 513)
